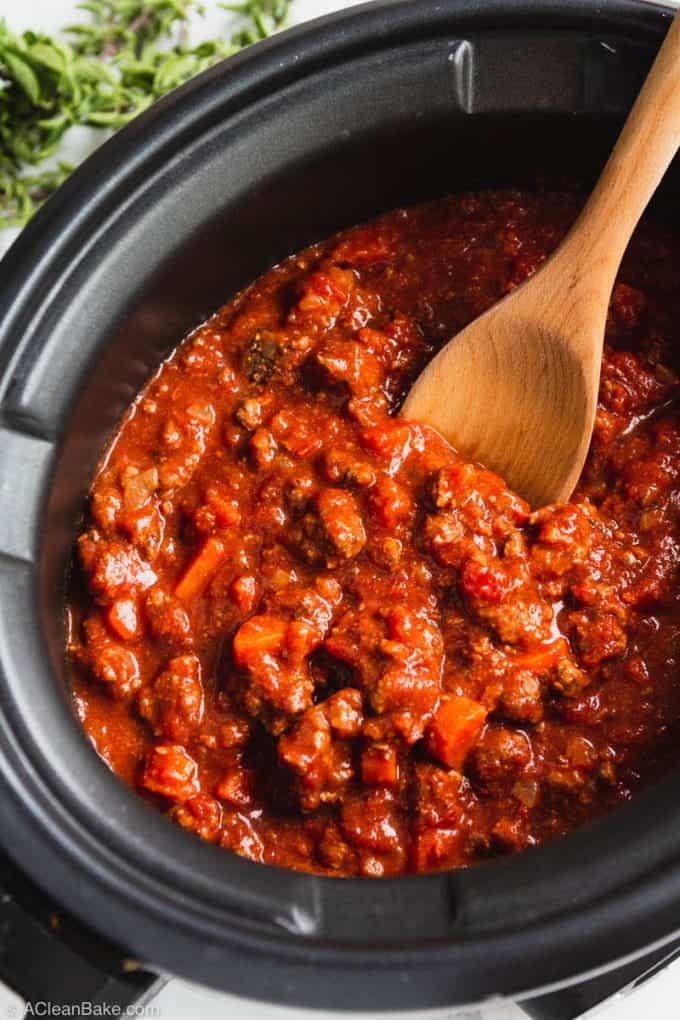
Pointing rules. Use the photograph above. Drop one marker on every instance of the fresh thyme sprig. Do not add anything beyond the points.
(261, 19)
(99, 74)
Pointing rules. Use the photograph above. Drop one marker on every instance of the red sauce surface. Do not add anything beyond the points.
(312, 633)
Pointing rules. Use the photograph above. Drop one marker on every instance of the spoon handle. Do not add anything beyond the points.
(641, 156)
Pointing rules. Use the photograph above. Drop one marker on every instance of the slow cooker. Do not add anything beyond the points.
(319, 128)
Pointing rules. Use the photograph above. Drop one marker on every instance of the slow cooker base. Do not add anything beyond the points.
(47, 956)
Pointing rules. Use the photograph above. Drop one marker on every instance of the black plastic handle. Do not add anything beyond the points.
(47, 957)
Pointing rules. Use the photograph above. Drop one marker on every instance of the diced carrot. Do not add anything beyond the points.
(123, 619)
(235, 787)
(258, 636)
(454, 729)
(201, 570)
(379, 765)
(543, 657)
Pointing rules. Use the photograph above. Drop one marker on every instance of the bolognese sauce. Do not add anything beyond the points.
(309, 631)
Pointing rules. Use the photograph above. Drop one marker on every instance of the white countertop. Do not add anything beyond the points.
(180, 1000)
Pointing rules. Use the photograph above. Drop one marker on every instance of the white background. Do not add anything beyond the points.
(179, 1000)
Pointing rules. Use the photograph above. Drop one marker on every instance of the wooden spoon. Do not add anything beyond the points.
(517, 389)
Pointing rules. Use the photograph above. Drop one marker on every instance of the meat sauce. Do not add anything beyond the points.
(310, 632)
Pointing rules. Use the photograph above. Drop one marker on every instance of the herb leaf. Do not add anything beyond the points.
(101, 73)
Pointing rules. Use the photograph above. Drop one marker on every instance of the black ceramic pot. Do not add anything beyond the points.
(317, 129)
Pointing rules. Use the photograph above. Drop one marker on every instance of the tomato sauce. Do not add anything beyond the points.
(310, 632)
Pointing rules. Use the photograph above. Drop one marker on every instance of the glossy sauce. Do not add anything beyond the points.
(313, 634)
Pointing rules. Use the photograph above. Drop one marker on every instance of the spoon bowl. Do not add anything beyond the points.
(517, 389)
(523, 396)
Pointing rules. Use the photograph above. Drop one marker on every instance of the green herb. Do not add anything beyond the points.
(99, 74)
(262, 19)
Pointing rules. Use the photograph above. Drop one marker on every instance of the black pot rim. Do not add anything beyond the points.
(502, 928)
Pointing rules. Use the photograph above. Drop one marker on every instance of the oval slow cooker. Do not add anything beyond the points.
(322, 127)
